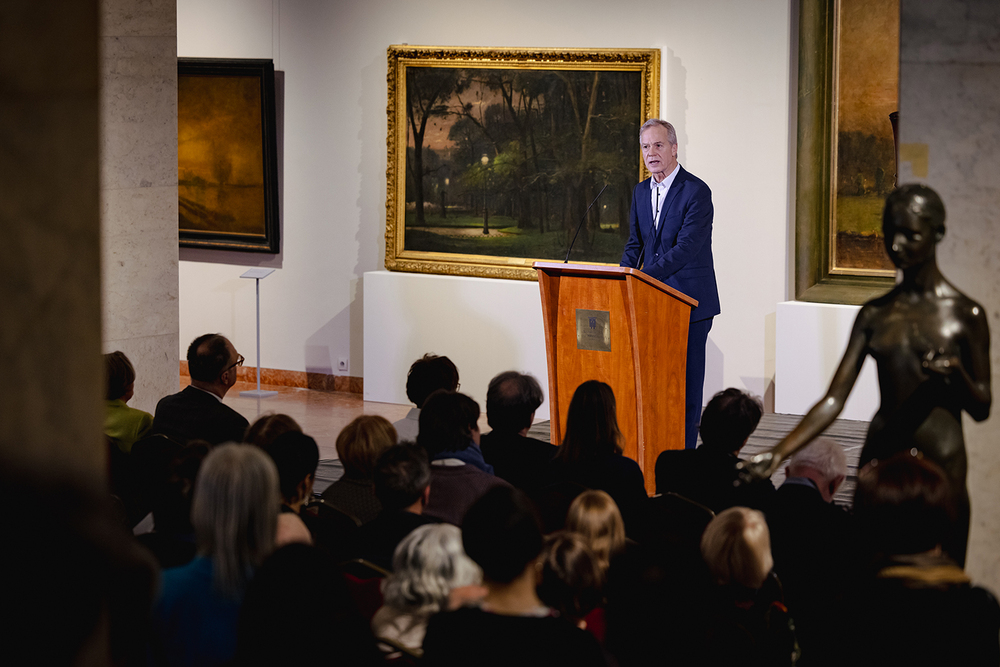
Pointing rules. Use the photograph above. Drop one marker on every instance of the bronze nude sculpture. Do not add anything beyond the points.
(931, 345)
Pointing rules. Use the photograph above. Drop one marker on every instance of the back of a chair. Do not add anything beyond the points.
(149, 459)
(553, 503)
(334, 530)
(674, 522)
(364, 581)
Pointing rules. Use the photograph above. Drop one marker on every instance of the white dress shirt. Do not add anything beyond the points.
(658, 194)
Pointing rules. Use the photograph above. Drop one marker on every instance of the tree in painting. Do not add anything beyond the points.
(520, 154)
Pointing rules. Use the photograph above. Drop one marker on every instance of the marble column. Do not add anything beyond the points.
(50, 311)
(950, 139)
(138, 102)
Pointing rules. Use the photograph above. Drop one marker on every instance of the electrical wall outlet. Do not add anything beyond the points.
(342, 364)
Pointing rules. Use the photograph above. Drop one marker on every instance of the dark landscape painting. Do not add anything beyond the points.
(504, 162)
(868, 84)
(223, 180)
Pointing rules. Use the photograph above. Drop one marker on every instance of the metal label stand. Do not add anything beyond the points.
(257, 274)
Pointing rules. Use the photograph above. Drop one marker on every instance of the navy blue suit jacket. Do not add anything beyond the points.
(679, 252)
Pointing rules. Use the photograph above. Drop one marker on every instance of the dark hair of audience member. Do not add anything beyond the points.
(361, 442)
(591, 424)
(729, 419)
(206, 364)
(572, 579)
(298, 609)
(429, 374)
(511, 400)
(447, 421)
(78, 589)
(595, 517)
(402, 473)
(268, 427)
(120, 374)
(736, 547)
(172, 514)
(502, 533)
(296, 456)
(235, 513)
(904, 505)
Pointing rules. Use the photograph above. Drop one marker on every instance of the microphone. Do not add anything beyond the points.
(580, 226)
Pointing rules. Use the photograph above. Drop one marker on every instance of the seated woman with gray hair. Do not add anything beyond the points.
(427, 566)
(235, 516)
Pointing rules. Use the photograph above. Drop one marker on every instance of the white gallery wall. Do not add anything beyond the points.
(725, 73)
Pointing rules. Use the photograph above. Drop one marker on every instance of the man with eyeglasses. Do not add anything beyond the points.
(197, 412)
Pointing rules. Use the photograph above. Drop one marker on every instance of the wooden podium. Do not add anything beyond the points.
(619, 326)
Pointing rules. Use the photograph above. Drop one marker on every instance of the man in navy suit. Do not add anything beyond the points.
(671, 240)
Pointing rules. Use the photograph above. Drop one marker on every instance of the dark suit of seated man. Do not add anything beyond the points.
(811, 541)
(402, 480)
(511, 401)
(197, 412)
(707, 474)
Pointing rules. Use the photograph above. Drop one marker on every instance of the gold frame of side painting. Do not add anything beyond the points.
(511, 145)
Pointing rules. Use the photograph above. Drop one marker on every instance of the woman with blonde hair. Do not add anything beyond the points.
(595, 517)
(358, 446)
(235, 516)
(750, 624)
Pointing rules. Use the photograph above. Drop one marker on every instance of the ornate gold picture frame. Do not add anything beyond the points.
(494, 155)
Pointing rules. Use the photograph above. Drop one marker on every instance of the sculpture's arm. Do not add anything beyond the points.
(826, 410)
(969, 373)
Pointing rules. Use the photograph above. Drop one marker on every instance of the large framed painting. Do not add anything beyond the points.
(496, 155)
(227, 154)
(848, 94)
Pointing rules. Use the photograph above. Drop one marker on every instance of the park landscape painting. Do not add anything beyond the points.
(495, 156)
(865, 168)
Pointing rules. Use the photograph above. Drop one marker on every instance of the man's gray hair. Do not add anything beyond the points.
(824, 455)
(427, 565)
(671, 133)
(235, 513)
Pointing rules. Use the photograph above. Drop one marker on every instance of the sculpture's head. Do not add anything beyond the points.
(913, 223)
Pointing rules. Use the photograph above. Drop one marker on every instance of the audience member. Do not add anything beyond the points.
(124, 425)
(427, 565)
(449, 432)
(197, 412)
(595, 517)
(502, 533)
(77, 588)
(402, 484)
(268, 427)
(916, 606)
(298, 610)
(707, 474)
(235, 513)
(358, 446)
(296, 456)
(572, 579)
(591, 451)
(750, 624)
(511, 401)
(172, 540)
(813, 545)
(426, 375)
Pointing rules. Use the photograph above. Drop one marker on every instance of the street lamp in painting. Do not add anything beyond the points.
(485, 160)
